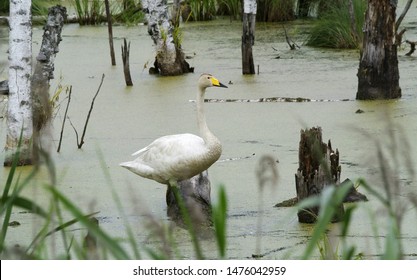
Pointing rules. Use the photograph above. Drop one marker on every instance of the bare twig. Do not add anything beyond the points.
(401, 17)
(75, 130)
(65, 117)
(80, 144)
(290, 42)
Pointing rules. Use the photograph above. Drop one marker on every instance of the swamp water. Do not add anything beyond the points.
(126, 119)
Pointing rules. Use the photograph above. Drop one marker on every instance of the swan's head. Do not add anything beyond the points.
(208, 80)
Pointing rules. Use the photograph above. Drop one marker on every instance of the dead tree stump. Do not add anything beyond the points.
(318, 168)
(195, 196)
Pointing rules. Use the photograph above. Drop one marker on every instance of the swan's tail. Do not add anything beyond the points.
(128, 165)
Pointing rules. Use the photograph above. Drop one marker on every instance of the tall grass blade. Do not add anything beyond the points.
(114, 247)
(116, 198)
(219, 220)
(187, 221)
(331, 198)
(26, 204)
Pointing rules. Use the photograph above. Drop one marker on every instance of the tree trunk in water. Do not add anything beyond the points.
(170, 59)
(378, 75)
(19, 109)
(318, 168)
(44, 72)
(248, 36)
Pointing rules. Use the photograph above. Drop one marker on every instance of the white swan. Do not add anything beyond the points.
(178, 157)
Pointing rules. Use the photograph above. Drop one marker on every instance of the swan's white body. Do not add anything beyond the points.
(180, 156)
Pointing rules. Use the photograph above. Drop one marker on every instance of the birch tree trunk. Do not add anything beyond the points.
(170, 59)
(378, 75)
(248, 36)
(19, 109)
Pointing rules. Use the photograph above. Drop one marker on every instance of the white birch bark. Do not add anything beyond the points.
(249, 6)
(169, 57)
(19, 109)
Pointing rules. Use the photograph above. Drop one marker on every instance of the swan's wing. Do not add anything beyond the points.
(174, 146)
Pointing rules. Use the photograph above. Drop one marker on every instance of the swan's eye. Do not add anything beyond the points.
(208, 78)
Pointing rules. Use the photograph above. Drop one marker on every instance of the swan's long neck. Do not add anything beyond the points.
(205, 133)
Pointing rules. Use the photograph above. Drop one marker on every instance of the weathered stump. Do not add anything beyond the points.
(318, 168)
(195, 197)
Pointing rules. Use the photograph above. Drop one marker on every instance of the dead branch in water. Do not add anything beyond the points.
(412, 47)
(125, 58)
(81, 142)
(65, 117)
(290, 42)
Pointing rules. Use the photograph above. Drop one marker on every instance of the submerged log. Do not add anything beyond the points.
(318, 168)
(195, 196)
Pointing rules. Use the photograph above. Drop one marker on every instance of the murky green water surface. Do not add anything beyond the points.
(126, 119)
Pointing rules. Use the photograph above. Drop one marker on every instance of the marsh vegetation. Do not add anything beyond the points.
(80, 204)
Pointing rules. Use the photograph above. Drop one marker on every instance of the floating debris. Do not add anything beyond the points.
(236, 158)
(270, 100)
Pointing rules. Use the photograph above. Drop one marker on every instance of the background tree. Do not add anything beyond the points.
(19, 109)
(378, 75)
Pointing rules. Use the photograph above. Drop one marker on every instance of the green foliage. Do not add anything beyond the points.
(202, 9)
(39, 7)
(4, 7)
(92, 12)
(275, 10)
(89, 12)
(128, 12)
(333, 28)
(233, 8)
(329, 201)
